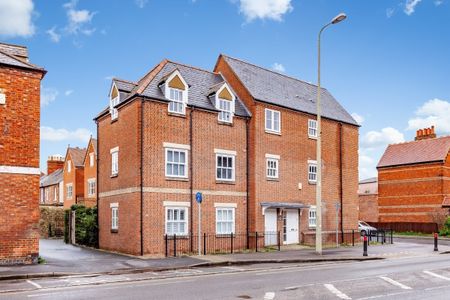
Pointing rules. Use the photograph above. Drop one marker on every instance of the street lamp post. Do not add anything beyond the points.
(335, 20)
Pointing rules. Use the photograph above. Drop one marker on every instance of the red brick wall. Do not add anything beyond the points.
(52, 191)
(90, 172)
(19, 146)
(69, 178)
(54, 165)
(368, 207)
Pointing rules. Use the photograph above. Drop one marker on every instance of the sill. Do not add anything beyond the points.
(174, 114)
(114, 230)
(272, 179)
(225, 235)
(273, 132)
(218, 181)
(114, 175)
(312, 137)
(177, 178)
(225, 123)
(312, 182)
(312, 228)
(181, 236)
(114, 120)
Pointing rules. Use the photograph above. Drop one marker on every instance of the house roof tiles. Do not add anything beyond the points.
(77, 155)
(52, 179)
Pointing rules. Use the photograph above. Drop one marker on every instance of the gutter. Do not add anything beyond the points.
(191, 176)
(341, 192)
(247, 173)
(142, 179)
(97, 187)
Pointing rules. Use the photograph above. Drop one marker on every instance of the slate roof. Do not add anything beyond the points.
(369, 180)
(199, 82)
(52, 179)
(422, 151)
(77, 155)
(278, 89)
(7, 58)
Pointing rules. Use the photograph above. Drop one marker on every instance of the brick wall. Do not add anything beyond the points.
(90, 172)
(69, 178)
(368, 207)
(53, 192)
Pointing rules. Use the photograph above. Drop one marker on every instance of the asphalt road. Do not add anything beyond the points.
(424, 276)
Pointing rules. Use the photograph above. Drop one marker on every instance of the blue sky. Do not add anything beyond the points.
(387, 63)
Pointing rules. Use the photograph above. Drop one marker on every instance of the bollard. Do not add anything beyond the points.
(353, 237)
(256, 238)
(435, 241)
(365, 246)
(204, 243)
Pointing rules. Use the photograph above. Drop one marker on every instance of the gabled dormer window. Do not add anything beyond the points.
(225, 103)
(114, 100)
(176, 91)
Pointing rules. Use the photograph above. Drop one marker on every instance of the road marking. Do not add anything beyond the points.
(34, 284)
(336, 292)
(396, 283)
(234, 268)
(269, 296)
(437, 275)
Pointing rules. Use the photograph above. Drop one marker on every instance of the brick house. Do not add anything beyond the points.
(368, 200)
(52, 185)
(414, 181)
(74, 176)
(90, 174)
(19, 155)
(282, 165)
(180, 130)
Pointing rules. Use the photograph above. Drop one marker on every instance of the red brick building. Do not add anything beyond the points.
(368, 200)
(74, 176)
(52, 185)
(180, 130)
(90, 174)
(414, 180)
(19, 155)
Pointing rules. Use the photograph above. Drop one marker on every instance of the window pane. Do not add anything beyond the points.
(182, 214)
(268, 119)
(182, 157)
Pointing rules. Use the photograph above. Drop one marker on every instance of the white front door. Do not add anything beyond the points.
(270, 227)
(292, 226)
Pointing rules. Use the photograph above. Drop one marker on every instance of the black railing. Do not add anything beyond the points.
(380, 236)
(212, 243)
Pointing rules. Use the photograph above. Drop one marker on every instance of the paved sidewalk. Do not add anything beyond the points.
(62, 259)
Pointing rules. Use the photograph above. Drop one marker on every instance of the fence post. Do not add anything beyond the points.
(247, 245)
(353, 237)
(436, 241)
(383, 235)
(167, 246)
(174, 245)
(365, 245)
(256, 240)
(204, 243)
(392, 237)
(279, 240)
(231, 236)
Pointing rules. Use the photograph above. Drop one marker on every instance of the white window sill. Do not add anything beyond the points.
(312, 137)
(272, 179)
(273, 132)
(224, 181)
(170, 178)
(114, 175)
(176, 114)
(225, 123)
(312, 182)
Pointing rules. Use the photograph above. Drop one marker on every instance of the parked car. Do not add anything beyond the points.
(365, 228)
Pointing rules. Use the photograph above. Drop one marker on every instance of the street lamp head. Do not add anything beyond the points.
(340, 17)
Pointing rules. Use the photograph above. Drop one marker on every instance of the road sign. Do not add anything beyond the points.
(198, 197)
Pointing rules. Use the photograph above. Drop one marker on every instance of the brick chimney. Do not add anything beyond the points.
(17, 51)
(54, 163)
(426, 133)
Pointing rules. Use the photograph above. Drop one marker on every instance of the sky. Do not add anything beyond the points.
(387, 63)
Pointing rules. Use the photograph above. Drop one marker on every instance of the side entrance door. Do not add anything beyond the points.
(270, 227)
(292, 226)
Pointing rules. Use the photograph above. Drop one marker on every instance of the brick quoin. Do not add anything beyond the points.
(19, 147)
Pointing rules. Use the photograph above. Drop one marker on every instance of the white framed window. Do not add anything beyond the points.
(115, 217)
(91, 186)
(56, 192)
(114, 111)
(312, 171)
(69, 166)
(91, 159)
(69, 190)
(224, 220)
(312, 217)
(272, 167)
(312, 128)
(226, 112)
(114, 161)
(47, 192)
(176, 163)
(176, 104)
(176, 220)
(225, 167)
(273, 121)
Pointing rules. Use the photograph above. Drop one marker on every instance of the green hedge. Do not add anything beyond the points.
(446, 228)
(86, 230)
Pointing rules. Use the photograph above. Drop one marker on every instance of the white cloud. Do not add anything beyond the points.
(387, 135)
(54, 36)
(68, 92)
(410, 6)
(109, 78)
(264, 9)
(78, 19)
(57, 135)
(438, 2)
(390, 12)
(48, 95)
(367, 164)
(278, 67)
(141, 3)
(433, 112)
(15, 18)
(358, 118)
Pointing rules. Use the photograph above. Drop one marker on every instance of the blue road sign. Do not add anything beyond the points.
(198, 197)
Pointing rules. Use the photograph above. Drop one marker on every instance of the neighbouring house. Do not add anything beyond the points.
(414, 183)
(52, 184)
(368, 200)
(74, 176)
(282, 154)
(20, 83)
(180, 130)
(90, 174)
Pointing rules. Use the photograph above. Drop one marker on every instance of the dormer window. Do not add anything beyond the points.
(114, 100)
(176, 104)
(225, 103)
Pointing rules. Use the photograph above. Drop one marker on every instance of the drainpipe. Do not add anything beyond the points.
(191, 175)
(142, 179)
(341, 183)
(97, 185)
(247, 208)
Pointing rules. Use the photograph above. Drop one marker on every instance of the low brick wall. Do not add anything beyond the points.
(51, 223)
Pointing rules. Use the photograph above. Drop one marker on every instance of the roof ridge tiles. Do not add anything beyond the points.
(192, 67)
(30, 65)
(422, 140)
(123, 80)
